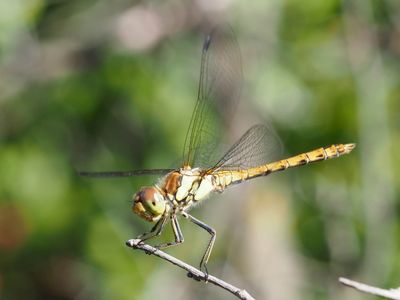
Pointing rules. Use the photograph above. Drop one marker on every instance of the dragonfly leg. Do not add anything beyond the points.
(155, 230)
(177, 233)
(212, 232)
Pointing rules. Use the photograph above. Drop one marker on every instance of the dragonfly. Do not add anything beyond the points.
(179, 190)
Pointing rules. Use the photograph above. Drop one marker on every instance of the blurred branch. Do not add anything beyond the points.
(193, 272)
(389, 294)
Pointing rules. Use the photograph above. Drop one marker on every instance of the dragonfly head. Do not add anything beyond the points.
(149, 204)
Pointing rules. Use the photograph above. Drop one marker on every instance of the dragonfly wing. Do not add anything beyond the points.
(259, 145)
(219, 89)
(125, 173)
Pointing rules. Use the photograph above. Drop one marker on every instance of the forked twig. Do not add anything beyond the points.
(389, 294)
(193, 272)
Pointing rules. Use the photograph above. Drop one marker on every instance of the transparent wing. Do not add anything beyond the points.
(126, 173)
(219, 89)
(258, 146)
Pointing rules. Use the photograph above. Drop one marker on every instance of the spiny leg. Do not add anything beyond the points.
(155, 230)
(212, 232)
(177, 233)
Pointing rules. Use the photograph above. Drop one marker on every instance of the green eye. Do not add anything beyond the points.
(149, 204)
(155, 205)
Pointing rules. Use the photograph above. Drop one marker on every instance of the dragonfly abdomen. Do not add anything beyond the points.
(319, 154)
(226, 177)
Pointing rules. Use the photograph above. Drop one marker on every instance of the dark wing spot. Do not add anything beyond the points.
(207, 43)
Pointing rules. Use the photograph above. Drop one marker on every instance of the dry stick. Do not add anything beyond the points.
(193, 272)
(389, 294)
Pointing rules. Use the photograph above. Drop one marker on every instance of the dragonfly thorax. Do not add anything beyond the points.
(186, 186)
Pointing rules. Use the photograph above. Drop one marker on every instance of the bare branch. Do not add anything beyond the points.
(193, 272)
(389, 294)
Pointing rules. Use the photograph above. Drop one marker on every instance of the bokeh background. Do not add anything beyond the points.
(110, 85)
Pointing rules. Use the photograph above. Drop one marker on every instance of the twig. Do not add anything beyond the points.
(389, 294)
(193, 272)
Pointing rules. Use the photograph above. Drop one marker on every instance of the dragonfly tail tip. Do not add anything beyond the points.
(349, 147)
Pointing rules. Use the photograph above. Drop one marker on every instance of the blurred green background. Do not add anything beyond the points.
(110, 85)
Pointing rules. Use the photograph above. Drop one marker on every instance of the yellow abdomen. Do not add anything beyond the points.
(228, 177)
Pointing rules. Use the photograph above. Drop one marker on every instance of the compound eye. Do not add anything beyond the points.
(144, 195)
(151, 201)
(154, 202)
